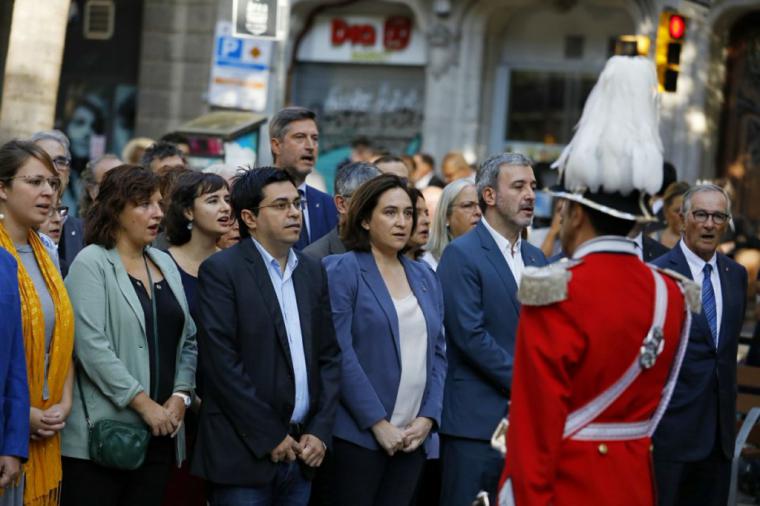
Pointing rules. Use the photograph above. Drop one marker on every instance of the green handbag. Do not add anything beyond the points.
(115, 444)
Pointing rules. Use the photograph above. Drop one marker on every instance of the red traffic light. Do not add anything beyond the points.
(676, 27)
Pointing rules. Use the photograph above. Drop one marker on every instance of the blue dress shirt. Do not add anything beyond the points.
(282, 282)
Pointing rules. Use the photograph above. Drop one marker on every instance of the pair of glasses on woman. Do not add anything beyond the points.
(37, 181)
(62, 211)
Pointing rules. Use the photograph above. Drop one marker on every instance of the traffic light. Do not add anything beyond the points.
(670, 36)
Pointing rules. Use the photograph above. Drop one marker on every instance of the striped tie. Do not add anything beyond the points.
(708, 302)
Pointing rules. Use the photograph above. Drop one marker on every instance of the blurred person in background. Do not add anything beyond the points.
(421, 232)
(53, 225)
(14, 387)
(392, 164)
(179, 140)
(424, 172)
(134, 150)
(294, 141)
(671, 209)
(348, 178)
(198, 215)
(457, 213)
(432, 195)
(135, 343)
(454, 167)
(162, 157)
(92, 176)
(29, 185)
(361, 150)
(56, 145)
(388, 314)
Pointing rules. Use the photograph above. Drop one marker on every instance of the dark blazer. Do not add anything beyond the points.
(14, 390)
(247, 368)
(368, 332)
(481, 308)
(329, 244)
(71, 243)
(323, 215)
(704, 399)
(652, 249)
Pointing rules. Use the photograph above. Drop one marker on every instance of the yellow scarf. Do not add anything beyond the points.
(43, 469)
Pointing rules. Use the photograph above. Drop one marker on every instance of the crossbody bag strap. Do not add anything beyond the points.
(155, 327)
(651, 347)
(81, 396)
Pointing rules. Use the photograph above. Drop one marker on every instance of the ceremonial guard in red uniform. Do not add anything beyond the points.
(601, 336)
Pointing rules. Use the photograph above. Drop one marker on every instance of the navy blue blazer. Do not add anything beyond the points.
(481, 308)
(367, 328)
(14, 389)
(704, 400)
(323, 215)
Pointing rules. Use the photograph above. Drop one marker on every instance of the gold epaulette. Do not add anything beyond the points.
(542, 286)
(692, 292)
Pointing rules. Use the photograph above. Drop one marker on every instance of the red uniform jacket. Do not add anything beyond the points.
(566, 354)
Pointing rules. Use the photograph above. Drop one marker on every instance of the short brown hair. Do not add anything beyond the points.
(363, 202)
(125, 184)
(14, 154)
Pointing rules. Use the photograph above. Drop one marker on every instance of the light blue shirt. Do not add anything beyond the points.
(282, 282)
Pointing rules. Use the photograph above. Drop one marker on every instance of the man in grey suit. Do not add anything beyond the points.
(348, 178)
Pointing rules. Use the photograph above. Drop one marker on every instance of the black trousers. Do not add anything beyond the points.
(88, 484)
(468, 466)
(365, 477)
(705, 482)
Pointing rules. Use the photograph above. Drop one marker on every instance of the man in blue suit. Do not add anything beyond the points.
(480, 272)
(694, 442)
(14, 417)
(294, 140)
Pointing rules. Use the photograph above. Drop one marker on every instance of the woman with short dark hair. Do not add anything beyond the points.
(388, 315)
(29, 184)
(135, 343)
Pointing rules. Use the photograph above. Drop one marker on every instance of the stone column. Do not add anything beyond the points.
(33, 67)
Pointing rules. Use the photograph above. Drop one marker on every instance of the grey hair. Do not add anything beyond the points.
(53, 135)
(488, 175)
(88, 174)
(227, 172)
(702, 188)
(351, 176)
(278, 125)
(439, 232)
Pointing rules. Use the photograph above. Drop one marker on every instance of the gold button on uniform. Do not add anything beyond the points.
(603, 449)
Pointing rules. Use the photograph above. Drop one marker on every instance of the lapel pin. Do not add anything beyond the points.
(316, 205)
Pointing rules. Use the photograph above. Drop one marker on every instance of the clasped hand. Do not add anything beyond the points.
(393, 439)
(46, 423)
(310, 449)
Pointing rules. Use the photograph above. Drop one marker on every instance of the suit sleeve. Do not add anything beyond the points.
(357, 392)
(15, 441)
(432, 403)
(329, 358)
(540, 400)
(94, 349)
(465, 318)
(255, 421)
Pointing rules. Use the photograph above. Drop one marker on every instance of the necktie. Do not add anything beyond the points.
(708, 302)
(303, 240)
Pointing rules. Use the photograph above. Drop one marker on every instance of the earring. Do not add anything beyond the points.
(189, 225)
(2, 216)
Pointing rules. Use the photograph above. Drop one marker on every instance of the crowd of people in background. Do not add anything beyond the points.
(281, 344)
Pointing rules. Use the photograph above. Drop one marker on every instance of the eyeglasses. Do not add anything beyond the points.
(37, 181)
(62, 161)
(717, 217)
(283, 205)
(63, 211)
(467, 206)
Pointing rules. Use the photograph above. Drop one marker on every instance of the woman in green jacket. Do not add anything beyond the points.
(134, 341)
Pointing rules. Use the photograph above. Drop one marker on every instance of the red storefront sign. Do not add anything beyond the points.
(397, 33)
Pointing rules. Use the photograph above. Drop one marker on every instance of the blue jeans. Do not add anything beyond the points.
(289, 488)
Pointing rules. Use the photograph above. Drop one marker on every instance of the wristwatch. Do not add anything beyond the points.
(186, 399)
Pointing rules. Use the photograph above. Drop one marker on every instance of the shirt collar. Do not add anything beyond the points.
(606, 244)
(502, 242)
(302, 188)
(696, 264)
(271, 262)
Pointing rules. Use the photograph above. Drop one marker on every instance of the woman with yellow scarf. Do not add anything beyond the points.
(28, 187)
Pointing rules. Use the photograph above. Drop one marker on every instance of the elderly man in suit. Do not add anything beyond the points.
(348, 178)
(271, 361)
(294, 141)
(480, 272)
(14, 418)
(694, 442)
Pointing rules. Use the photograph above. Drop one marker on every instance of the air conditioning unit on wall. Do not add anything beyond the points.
(99, 19)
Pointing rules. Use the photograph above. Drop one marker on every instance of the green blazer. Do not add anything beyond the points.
(111, 344)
